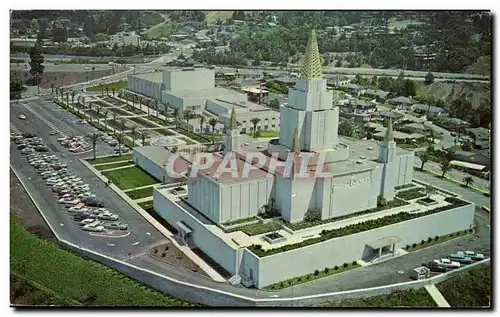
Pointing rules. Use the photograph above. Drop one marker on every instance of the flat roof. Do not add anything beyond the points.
(159, 156)
(227, 103)
(156, 77)
(209, 93)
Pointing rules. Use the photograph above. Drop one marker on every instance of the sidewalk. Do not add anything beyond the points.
(437, 296)
(137, 188)
(186, 250)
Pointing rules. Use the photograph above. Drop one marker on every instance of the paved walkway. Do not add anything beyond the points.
(184, 249)
(117, 168)
(143, 200)
(137, 188)
(109, 163)
(437, 296)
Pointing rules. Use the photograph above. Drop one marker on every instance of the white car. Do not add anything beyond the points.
(93, 228)
(22, 117)
(85, 222)
(447, 263)
(53, 132)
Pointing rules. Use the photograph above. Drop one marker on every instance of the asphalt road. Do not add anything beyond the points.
(374, 275)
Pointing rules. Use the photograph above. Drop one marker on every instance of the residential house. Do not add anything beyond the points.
(415, 128)
(481, 137)
(354, 89)
(377, 94)
(430, 111)
(402, 103)
(334, 80)
(286, 80)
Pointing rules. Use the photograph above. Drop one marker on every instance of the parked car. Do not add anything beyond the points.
(109, 217)
(448, 263)
(53, 132)
(22, 117)
(86, 221)
(92, 228)
(81, 215)
(116, 225)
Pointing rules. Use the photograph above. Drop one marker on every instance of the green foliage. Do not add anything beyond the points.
(470, 289)
(326, 235)
(404, 186)
(312, 215)
(141, 193)
(409, 298)
(275, 104)
(119, 85)
(109, 159)
(75, 278)
(410, 194)
(352, 129)
(36, 64)
(429, 78)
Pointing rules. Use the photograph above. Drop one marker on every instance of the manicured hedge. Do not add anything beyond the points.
(410, 194)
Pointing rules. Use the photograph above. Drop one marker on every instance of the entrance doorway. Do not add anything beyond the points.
(381, 249)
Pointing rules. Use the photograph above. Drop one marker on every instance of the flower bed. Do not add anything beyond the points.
(410, 194)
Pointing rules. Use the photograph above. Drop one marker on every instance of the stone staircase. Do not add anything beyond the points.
(235, 280)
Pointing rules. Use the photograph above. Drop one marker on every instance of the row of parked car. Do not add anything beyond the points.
(75, 144)
(111, 141)
(28, 143)
(454, 261)
(87, 209)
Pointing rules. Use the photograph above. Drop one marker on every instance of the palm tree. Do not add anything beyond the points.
(148, 105)
(122, 124)
(107, 91)
(187, 115)
(114, 123)
(424, 157)
(213, 122)
(98, 111)
(445, 167)
(94, 138)
(67, 98)
(52, 87)
(202, 121)
(78, 99)
(83, 103)
(176, 117)
(119, 138)
(61, 90)
(73, 93)
(133, 129)
(255, 121)
(156, 107)
(468, 180)
(106, 120)
(144, 135)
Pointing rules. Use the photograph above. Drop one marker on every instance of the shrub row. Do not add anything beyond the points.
(410, 194)
(305, 224)
(404, 186)
(357, 228)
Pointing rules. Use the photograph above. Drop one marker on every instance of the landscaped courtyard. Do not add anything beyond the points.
(130, 177)
(110, 159)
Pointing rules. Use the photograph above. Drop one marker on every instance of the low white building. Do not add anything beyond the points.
(125, 38)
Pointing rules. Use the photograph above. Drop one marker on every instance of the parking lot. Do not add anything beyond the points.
(113, 240)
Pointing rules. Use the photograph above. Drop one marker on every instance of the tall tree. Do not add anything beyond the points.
(255, 121)
(445, 167)
(468, 180)
(202, 121)
(94, 138)
(213, 122)
(424, 158)
(36, 63)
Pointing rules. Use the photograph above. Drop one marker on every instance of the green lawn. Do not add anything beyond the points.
(119, 85)
(109, 159)
(164, 30)
(114, 165)
(74, 278)
(140, 193)
(410, 298)
(470, 289)
(268, 134)
(131, 177)
(313, 276)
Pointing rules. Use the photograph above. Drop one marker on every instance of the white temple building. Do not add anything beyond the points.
(258, 228)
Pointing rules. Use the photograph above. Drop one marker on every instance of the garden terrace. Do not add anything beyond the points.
(114, 101)
(404, 186)
(164, 131)
(119, 85)
(357, 228)
(257, 228)
(134, 110)
(308, 224)
(239, 221)
(119, 111)
(410, 194)
(313, 276)
(436, 240)
(113, 165)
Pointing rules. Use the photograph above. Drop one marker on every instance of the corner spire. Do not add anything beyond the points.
(311, 67)
(295, 143)
(233, 124)
(389, 134)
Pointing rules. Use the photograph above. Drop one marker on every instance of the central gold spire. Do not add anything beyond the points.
(389, 134)
(233, 125)
(311, 67)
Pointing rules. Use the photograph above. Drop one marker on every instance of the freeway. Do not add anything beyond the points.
(46, 112)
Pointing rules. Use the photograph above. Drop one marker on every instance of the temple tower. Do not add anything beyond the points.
(232, 137)
(310, 110)
(387, 156)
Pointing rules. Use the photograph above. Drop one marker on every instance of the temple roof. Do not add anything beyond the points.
(311, 67)
(234, 124)
(389, 134)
